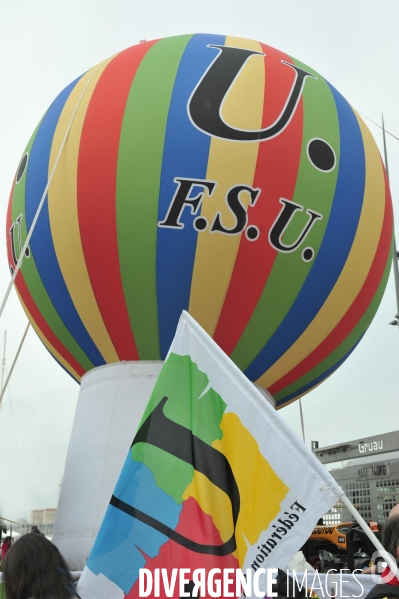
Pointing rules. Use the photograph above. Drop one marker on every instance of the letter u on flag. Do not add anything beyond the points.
(214, 479)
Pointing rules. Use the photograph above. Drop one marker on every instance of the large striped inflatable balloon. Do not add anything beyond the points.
(213, 174)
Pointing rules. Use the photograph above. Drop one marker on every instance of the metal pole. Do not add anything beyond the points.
(395, 254)
(3, 361)
(387, 556)
(3, 389)
(302, 424)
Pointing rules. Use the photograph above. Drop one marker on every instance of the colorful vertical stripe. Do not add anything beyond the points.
(118, 251)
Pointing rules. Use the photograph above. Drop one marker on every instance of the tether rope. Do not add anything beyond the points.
(39, 208)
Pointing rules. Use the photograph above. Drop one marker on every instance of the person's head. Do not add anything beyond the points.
(394, 511)
(7, 539)
(390, 536)
(34, 567)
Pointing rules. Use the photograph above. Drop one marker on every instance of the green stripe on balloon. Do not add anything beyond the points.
(277, 297)
(34, 281)
(138, 180)
(346, 345)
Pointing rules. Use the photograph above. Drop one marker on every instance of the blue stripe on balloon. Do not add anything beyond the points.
(317, 380)
(42, 242)
(186, 153)
(335, 247)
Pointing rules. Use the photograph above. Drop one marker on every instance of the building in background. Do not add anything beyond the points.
(43, 519)
(370, 480)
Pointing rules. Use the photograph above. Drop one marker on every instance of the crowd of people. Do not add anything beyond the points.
(33, 568)
(390, 541)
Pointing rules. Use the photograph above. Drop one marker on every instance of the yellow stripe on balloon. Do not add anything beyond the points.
(230, 163)
(47, 343)
(353, 274)
(63, 214)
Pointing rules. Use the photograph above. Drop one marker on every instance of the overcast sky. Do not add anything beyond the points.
(44, 46)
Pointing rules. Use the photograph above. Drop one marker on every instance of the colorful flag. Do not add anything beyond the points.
(214, 479)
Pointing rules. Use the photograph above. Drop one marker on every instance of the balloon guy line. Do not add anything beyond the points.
(19, 263)
(379, 126)
(7, 520)
(394, 251)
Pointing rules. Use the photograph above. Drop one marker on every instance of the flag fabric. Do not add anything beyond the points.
(214, 479)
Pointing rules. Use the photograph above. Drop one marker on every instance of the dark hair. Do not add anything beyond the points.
(34, 567)
(390, 536)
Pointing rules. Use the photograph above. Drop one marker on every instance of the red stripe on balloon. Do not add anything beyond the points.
(356, 310)
(43, 326)
(97, 170)
(255, 259)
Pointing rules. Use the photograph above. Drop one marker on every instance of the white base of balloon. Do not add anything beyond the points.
(111, 402)
(268, 396)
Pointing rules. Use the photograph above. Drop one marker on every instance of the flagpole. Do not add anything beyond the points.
(387, 557)
(302, 424)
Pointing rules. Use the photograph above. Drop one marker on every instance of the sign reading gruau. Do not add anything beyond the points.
(358, 448)
(371, 446)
